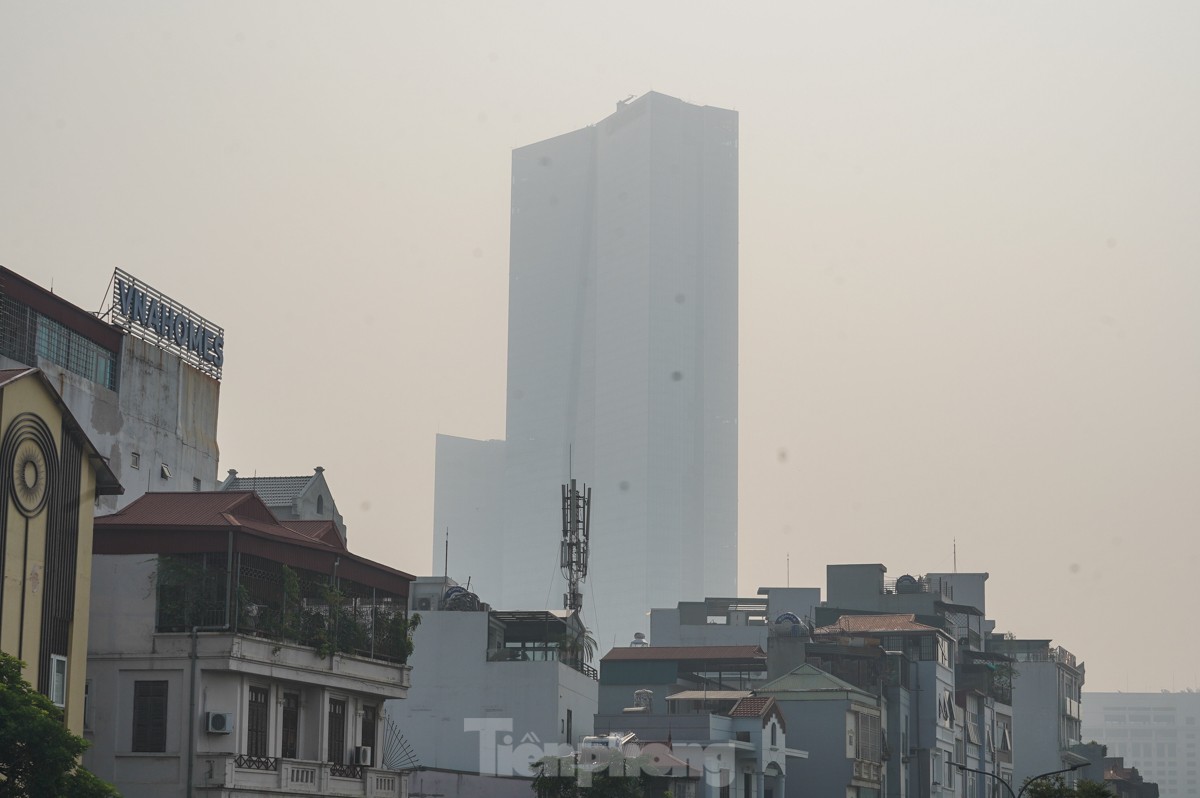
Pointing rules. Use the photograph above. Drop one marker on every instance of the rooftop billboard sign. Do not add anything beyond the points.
(149, 314)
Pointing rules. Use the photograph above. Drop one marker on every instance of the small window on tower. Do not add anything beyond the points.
(196, 484)
(135, 460)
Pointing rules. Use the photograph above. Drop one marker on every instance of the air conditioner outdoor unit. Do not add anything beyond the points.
(362, 755)
(220, 722)
(424, 604)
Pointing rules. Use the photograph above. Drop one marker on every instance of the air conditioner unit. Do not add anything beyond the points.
(362, 755)
(424, 604)
(219, 722)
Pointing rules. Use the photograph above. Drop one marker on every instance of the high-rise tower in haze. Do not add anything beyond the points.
(622, 371)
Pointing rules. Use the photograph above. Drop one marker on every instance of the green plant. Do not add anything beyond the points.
(190, 591)
(38, 755)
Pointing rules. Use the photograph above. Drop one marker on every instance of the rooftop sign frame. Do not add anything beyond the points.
(146, 313)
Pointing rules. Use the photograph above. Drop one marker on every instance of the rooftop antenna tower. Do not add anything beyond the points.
(576, 516)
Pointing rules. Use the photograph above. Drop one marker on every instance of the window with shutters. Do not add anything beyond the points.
(150, 716)
(870, 741)
(256, 722)
(289, 748)
(337, 731)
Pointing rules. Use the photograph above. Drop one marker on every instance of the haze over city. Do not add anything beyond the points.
(967, 313)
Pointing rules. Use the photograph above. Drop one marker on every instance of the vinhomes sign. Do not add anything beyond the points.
(152, 316)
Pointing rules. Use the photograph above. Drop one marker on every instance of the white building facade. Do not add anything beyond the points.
(1159, 733)
(622, 369)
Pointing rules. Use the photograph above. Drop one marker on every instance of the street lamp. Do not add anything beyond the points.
(1008, 786)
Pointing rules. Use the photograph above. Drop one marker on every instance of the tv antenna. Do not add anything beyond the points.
(576, 515)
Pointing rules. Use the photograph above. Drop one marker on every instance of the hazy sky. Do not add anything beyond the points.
(969, 275)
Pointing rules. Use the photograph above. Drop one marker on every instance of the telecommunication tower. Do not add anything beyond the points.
(576, 515)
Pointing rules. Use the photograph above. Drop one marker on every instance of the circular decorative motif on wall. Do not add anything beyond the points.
(28, 465)
(29, 477)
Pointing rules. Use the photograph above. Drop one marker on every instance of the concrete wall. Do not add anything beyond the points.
(666, 630)
(1037, 706)
(467, 785)
(454, 686)
(164, 410)
(818, 727)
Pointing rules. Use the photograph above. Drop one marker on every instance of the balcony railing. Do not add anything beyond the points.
(868, 771)
(919, 584)
(300, 777)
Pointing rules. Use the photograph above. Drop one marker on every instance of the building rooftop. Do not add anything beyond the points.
(810, 681)
(709, 695)
(703, 654)
(752, 707)
(195, 521)
(875, 624)
(275, 491)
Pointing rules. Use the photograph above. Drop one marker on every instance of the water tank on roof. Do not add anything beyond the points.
(908, 584)
(789, 624)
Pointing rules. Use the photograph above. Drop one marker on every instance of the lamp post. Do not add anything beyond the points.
(1008, 787)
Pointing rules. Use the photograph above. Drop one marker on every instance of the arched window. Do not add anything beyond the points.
(320, 504)
(773, 733)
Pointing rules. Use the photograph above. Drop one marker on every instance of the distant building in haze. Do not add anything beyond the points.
(622, 371)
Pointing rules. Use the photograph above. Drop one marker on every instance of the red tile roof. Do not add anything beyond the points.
(689, 653)
(323, 530)
(190, 508)
(193, 521)
(875, 624)
(754, 706)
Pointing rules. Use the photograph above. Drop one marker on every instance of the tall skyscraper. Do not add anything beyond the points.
(622, 372)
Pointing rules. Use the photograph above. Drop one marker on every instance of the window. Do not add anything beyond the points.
(773, 741)
(868, 748)
(368, 731)
(570, 732)
(58, 680)
(337, 731)
(135, 460)
(196, 484)
(320, 504)
(949, 774)
(87, 705)
(291, 726)
(150, 716)
(256, 722)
